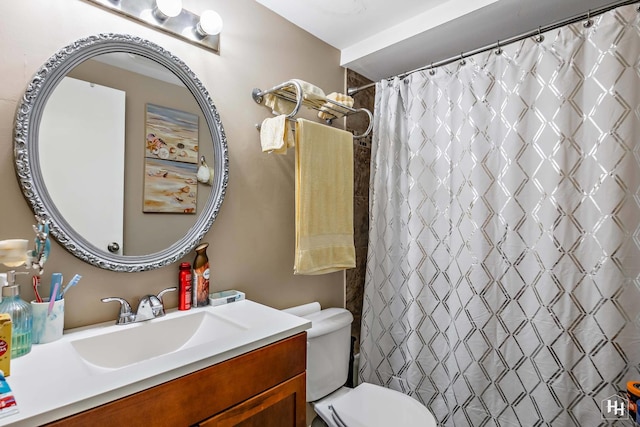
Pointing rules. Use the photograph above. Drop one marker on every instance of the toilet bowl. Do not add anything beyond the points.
(367, 405)
(370, 405)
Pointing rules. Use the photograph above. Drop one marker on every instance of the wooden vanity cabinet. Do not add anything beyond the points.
(265, 388)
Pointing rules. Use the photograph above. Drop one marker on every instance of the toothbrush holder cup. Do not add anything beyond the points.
(47, 327)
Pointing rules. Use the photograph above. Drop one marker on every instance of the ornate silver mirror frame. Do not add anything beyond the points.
(27, 159)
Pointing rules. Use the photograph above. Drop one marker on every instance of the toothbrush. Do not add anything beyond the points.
(56, 283)
(74, 281)
(36, 282)
(54, 291)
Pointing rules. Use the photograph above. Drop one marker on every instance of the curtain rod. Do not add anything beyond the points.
(500, 44)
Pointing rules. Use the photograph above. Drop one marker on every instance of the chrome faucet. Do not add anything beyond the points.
(150, 307)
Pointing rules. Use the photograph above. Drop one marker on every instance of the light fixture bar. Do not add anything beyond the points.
(184, 26)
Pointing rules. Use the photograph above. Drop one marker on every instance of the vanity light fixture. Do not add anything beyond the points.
(165, 9)
(170, 17)
(210, 24)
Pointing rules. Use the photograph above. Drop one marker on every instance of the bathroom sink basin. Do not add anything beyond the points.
(101, 363)
(130, 344)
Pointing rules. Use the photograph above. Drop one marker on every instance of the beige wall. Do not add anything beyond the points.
(251, 242)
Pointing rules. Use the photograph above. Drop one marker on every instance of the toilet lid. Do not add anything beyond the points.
(370, 405)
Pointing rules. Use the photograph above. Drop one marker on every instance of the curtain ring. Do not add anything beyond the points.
(462, 60)
(432, 70)
(589, 22)
(539, 38)
(498, 51)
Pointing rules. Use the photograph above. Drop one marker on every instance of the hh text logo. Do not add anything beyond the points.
(614, 408)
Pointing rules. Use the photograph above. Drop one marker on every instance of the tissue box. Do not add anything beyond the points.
(225, 297)
(5, 343)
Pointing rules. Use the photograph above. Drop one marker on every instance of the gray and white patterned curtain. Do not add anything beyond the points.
(503, 270)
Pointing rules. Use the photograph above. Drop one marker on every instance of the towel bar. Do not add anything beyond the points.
(292, 91)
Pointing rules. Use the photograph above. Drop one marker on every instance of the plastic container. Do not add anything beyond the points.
(48, 325)
(184, 286)
(21, 316)
(225, 297)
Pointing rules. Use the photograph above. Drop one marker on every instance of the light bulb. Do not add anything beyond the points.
(210, 24)
(167, 9)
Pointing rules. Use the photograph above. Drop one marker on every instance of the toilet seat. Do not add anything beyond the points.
(369, 405)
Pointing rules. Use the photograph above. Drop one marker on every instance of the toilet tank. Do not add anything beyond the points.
(328, 347)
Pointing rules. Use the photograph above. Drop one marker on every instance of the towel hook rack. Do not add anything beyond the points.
(291, 91)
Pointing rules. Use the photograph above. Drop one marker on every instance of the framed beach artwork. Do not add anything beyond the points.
(171, 161)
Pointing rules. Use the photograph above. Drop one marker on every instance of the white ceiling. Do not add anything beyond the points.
(382, 38)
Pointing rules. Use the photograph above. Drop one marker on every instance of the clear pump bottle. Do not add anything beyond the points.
(21, 316)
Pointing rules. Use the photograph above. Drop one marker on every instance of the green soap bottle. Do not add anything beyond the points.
(21, 316)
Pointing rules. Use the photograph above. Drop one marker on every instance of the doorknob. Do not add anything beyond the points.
(113, 247)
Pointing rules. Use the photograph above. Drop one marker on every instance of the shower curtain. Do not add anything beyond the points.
(503, 269)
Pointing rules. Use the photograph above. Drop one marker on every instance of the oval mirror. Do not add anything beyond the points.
(119, 145)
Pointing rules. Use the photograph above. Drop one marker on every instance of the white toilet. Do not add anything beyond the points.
(367, 405)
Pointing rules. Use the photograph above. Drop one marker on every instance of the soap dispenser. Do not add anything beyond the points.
(21, 316)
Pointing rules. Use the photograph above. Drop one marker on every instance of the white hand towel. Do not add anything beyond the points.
(276, 135)
(310, 91)
(283, 106)
(331, 111)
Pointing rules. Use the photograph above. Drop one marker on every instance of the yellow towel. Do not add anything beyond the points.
(282, 106)
(330, 111)
(276, 136)
(324, 199)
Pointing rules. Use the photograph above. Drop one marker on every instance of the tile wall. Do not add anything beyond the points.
(361, 157)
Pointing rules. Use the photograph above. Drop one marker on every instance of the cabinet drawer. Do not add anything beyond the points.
(282, 406)
(195, 397)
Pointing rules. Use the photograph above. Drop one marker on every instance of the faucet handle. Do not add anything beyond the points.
(153, 303)
(125, 315)
(164, 291)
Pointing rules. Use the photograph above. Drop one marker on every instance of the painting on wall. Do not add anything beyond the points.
(171, 161)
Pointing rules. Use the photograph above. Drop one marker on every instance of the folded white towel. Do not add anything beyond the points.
(278, 105)
(276, 135)
(283, 106)
(331, 111)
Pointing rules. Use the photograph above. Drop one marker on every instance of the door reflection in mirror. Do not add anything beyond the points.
(82, 138)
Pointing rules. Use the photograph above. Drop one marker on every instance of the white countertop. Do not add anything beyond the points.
(53, 381)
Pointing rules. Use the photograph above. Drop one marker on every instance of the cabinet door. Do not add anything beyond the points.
(280, 406)
(197, 396)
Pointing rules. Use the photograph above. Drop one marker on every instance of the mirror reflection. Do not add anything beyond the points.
(125, 135)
